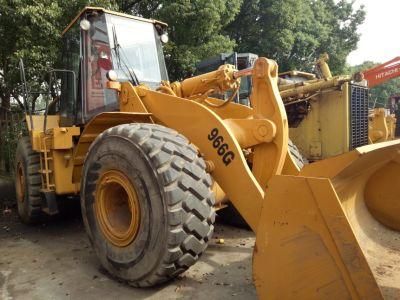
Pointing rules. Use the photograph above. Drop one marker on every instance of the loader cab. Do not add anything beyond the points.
(98, 41)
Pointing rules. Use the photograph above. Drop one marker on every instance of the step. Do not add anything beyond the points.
(45, 172)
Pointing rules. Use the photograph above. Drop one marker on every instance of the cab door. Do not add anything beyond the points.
(97, 61)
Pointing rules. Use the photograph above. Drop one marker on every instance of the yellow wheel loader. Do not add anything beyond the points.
(150, 160)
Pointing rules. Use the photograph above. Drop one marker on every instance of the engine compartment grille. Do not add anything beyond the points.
(358, 116)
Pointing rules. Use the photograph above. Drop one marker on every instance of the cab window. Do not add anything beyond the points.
(97, 56)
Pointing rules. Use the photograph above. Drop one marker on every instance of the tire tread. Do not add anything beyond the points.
(33, 179)
(188, 194)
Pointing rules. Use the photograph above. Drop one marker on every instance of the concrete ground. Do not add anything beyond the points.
(55, 261)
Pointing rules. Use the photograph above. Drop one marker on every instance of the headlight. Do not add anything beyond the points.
(164, 38)
(84, 24)
(112, 75)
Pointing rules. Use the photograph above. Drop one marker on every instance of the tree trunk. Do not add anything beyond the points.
(4, 109)
(5, 101)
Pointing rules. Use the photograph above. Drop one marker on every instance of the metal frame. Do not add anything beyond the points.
(25, 91)
(53, 71)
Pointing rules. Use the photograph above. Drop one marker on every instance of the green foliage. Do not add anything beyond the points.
(380, 94)
(296, 32)
(11, 130)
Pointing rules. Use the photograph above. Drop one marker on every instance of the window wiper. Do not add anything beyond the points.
(120, 61)
(116, 47)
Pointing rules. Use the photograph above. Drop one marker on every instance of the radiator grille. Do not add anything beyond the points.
(397, 114)
(358, 116)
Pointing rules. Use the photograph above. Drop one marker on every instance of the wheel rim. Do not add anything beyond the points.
(117, 208)
(20, 183)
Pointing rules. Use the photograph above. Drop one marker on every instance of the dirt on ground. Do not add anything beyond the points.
(54, 260)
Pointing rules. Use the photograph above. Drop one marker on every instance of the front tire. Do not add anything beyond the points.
(147, 203)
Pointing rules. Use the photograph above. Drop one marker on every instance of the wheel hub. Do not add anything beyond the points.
(117, 208)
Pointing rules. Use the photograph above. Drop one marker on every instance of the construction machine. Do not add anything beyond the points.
(382, 122)
(380, 73)
(327, 115)
(329, 94)
(145, 156)
(314, 103)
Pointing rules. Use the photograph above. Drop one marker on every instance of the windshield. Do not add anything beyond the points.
(137, 50)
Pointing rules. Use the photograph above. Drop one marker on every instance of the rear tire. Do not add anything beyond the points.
(28, 182)
(229, 215)
(299, 159)
(170, 198)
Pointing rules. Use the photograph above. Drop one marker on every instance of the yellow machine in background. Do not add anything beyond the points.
(145, 154)
(382, 125)
(329, 115)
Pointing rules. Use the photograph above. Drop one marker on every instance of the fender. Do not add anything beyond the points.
(97, 125)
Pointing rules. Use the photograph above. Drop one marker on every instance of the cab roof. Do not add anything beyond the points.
(90, 8)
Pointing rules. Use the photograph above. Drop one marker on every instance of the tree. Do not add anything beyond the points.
(20, 25)
(296, 32)
(342, 38)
